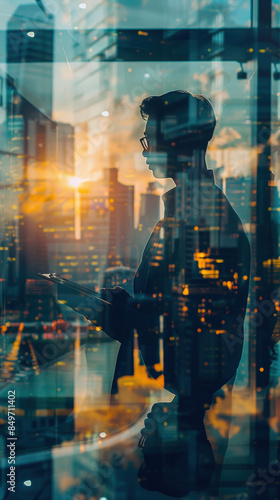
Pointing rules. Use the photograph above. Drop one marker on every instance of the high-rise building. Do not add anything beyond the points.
(92, 108)
(239, 192)
(30, 39)
(39, 152)
(106, 219)
(36, 195)
(149, 216)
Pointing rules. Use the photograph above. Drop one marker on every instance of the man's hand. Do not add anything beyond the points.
(176, 462)
(116, 295)
(161, 415)
(117, 315)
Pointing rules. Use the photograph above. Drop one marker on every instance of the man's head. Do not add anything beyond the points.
(178, 123)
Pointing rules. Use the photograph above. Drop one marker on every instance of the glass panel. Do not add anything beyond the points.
(136, 14)
(275, 14)
(167, 384)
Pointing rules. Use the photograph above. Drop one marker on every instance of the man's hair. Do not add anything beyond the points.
(184, 118)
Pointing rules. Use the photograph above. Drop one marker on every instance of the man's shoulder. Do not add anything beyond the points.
(232, 222)
(229, 211)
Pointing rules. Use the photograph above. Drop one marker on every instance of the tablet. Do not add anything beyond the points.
(56, 278)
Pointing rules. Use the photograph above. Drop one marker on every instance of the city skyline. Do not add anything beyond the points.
(188, 342)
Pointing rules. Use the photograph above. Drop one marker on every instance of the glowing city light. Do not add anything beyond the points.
(31, 34)
(147, 75)
(83, 5)
(102, 434)
(105, 113)
(75, 182)
(27, 483)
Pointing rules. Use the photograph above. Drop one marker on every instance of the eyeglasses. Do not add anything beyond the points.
(145, 143)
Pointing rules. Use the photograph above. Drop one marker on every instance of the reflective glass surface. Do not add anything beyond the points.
(139, 286)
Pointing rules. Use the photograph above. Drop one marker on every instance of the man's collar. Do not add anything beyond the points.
(169, 198)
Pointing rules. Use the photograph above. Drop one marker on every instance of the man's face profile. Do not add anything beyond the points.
(156, 157)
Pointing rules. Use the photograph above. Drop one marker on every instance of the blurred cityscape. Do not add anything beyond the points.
(76, 199)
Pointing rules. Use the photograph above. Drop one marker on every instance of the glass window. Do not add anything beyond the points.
(139, 197)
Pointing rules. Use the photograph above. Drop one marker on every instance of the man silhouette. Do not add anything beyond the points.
(190, 289)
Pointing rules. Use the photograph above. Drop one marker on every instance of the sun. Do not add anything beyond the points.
(75, 182)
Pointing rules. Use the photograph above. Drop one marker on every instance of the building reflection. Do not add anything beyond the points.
(62, 367)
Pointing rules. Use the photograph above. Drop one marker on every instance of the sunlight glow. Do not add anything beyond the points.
(75, 182)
